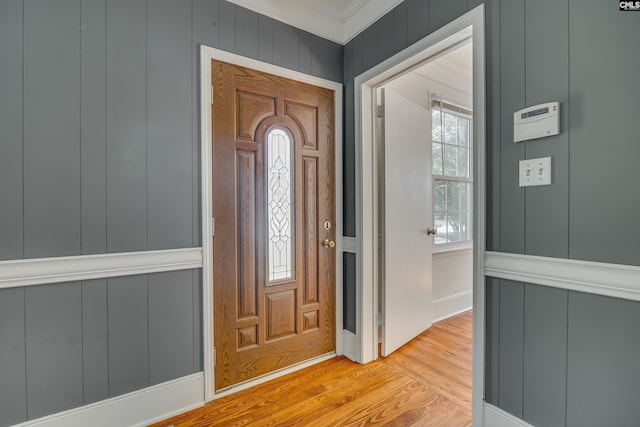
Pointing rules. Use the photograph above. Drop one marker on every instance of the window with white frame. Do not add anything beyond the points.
(452, 172)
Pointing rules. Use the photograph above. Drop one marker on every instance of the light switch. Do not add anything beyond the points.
(535, 172)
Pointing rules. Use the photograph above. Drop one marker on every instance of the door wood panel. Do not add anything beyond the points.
(261, 325)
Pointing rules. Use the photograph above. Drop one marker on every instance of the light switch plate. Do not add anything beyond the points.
(535, 172)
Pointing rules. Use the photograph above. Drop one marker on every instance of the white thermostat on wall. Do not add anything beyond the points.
(537, 121)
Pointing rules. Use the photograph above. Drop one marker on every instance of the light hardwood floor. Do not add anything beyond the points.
(427, 382)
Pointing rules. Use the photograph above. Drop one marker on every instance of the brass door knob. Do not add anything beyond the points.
(329, 243)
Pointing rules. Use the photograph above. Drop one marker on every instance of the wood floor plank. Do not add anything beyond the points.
(427, 382)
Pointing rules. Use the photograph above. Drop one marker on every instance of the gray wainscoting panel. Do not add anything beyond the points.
(603, 383)
(126, 125)
(349, 286)
(265, 38)
(417, 20)
(169, 139)
(51, 128)
(604, 134)
(95, 361)
(545, 355)
(441, 12)
(286, 45)
(198, 354)
(511, 348)
(53, 323)
(247, 32)
(171, 339)
(11, 218)
(547, 207)
(93, 178)
(13, 391)
(492, 341)
(206, 23)
(512, 72)
(128, 334)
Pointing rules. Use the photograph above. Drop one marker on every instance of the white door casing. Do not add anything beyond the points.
(407, 213)
(469, 24)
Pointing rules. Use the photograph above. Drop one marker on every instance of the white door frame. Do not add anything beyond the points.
(367, 188)
(206, 55)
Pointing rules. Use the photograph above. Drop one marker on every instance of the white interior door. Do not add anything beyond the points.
(407, 213)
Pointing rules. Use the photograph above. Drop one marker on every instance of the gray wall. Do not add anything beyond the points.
(99, 153)
(562, 358)
(551, 354)
(70, 344)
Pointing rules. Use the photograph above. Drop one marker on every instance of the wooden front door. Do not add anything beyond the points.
(274, 206)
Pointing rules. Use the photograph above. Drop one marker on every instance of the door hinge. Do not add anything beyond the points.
(212, 93)
(214, 355)
(380, 319)
(213, 226)
(380, 111)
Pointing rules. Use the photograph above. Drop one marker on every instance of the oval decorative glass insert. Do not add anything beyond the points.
(280, 223)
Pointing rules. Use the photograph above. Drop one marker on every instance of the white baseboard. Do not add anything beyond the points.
(139, 408)
(452, 305)
(496, 417)
(350, 346)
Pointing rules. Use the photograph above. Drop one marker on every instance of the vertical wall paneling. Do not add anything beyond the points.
(492, 339)
(265, 38)
(206, 23)
(169, 139)
(51, 128)
(512, 79)
(493, 127)
(545, 355)
(53, 322)
(227, 24)
(170, 326)
(441, 12)
(326, 59)
(369, 46)
(93, 178)
(196, 280)
(126, 126)
(95, 363)
(386, 36)
(401, 28)
(13, 392)
(511, 347)
(286, 49)
(604, 131)
(304, 52)
(547, 214)
(603, 382)
(128, 334)
(417, 20)
(349, 285)
(11, 165)
(247, 32)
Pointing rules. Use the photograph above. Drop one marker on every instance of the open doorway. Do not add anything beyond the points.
(467, 27)
(425, 183)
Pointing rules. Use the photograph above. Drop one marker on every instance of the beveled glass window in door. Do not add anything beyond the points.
(280, 223)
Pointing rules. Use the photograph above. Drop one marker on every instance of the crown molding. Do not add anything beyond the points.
(321, 18)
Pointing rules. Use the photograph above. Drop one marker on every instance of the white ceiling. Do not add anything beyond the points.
(336, 20)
